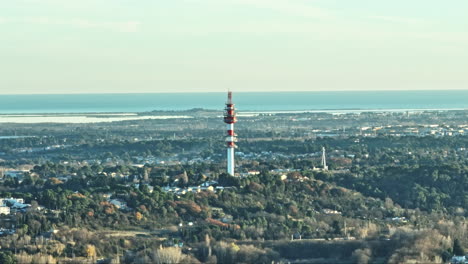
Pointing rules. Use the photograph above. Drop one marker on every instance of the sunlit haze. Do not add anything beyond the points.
(122, 46)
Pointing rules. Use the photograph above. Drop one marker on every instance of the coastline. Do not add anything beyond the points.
(107, 117)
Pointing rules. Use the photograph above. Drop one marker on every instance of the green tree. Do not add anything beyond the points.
(457, 248)
(6, 257)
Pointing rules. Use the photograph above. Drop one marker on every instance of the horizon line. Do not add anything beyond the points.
(258, 91)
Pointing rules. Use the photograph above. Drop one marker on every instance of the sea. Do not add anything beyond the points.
(245, 101)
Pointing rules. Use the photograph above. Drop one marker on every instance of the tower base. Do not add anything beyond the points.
(230, 161)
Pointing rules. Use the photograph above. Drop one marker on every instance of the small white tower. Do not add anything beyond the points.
(324, 159)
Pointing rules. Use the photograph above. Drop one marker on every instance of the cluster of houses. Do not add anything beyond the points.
(12, 205)
(426, 130)
(170, 161)
(40, 149)
(210, 186)
(15, 174)
(391, 130)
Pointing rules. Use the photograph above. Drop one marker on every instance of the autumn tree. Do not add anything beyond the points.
(170, 255)
(138, 216)
(90, 251)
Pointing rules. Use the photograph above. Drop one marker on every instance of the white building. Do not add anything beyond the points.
(4, 210)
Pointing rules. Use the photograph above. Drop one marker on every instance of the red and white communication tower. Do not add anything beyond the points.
(230, 118)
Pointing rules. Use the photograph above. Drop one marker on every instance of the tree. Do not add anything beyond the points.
(90, 251)
(6, 257)
(171, 255)
(138, 216)
(336, 227)
(457, 248)
(362, 256)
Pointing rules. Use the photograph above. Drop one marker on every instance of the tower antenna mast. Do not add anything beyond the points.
(230, 119)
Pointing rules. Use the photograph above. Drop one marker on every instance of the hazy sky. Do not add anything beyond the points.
(73, 46)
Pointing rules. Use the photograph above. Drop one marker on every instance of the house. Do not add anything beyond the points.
(209, 183)
(4, 210)
(14, 204)
(119, 204)
(65, 178)
(227, 219)
(331, 212)
(398, 219)
(11, 200)
(20, 206)
(459, 260)
(4, 231)
(15, 174)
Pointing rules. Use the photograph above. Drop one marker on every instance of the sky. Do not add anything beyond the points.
(128, 46)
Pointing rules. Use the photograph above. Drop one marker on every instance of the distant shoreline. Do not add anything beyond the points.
(349, 111)
(166, 112)
(103, 117)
